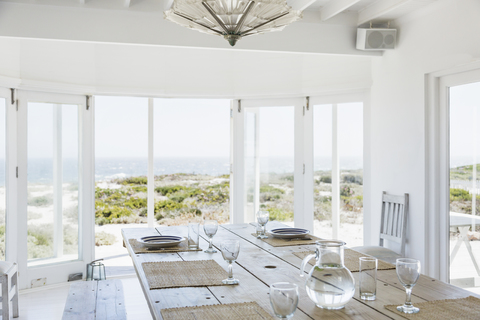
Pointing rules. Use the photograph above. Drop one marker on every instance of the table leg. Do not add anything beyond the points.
(464, 238)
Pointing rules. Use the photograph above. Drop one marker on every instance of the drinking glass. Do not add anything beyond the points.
(408, 271)
(193, 237)
(230, 250)
(368, 278)
(210, 227)
(262, 219)
(284, 299)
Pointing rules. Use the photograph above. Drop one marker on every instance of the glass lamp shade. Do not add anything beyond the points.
(233, 19)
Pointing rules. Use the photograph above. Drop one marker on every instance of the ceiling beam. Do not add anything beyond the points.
(300, 5)
(126, 3)
(379, 8)
(334, 7)
(168, 4)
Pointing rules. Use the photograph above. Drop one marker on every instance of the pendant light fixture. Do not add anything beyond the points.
(233, 19)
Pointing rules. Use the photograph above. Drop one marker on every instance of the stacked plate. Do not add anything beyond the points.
(155, 242)
(289, 233)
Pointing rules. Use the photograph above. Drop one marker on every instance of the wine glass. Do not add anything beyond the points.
(284, 299)
(230, 250)
(210, 227)
(262, 219)
(408, 271)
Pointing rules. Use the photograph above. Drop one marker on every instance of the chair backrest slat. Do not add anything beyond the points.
(394, 219)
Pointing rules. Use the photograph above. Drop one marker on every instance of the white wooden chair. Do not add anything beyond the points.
(393, 228)
(9, 281)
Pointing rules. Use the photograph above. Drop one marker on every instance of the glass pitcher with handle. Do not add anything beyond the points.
(329, 283)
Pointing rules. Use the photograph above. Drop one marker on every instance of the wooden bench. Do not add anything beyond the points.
(95, 300)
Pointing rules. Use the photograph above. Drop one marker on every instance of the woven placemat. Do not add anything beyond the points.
(137, 248)
(233, 311)
(176, 274)
(277, 242)
(465, 309)
(350, 259)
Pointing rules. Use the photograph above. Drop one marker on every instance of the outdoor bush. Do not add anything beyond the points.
(277, 214)
(167, 205)
(133, 181)
(40, 241)
(110, 213)
(166, 190)
(350, 178)
(140, 189)
(346, 191)
(42, 201)
(459, 195)
(103, 238)
(326, 179)
(265, 189)
(136, 203)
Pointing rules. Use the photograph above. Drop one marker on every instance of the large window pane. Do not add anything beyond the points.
(52, 212)
(350, 151)
(121, 149)
(269, 162)
(3, 198)
(322, 166)
(464, 184)
(192, 163)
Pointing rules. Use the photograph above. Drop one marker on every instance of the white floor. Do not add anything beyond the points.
(48, 303)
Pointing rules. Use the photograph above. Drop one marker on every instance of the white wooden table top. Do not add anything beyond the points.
(255, 279)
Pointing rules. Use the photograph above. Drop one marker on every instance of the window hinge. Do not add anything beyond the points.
(308, 103)
(17, 172)
(231, 168)
(304, 168)
(303, 110)
(231, 113)
(239, 105)
(12, 91)
(88, 102)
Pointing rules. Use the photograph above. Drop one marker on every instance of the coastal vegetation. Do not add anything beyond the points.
(181, 197)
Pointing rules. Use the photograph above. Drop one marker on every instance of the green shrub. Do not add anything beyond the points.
(42, 201)
(165, 191)
(459, 195)
(40, 241)
(346, 191)
(265, 189)
(350, 178)
(167, 205)
(140, 189)
(136, 203)
(277, 214)
(326, 179)
(109, 213)
(133, 181)
(103, 238)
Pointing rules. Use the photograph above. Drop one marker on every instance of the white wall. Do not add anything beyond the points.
(441, 37)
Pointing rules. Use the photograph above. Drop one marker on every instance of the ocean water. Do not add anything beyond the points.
(41, 170)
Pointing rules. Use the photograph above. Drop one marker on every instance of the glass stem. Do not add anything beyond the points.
(264, 228)
(210, 245)
(408, 300)
(230, 271)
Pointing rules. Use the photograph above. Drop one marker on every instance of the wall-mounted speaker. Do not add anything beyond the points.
(376, 39)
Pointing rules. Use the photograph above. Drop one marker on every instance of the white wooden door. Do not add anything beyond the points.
(55, 189)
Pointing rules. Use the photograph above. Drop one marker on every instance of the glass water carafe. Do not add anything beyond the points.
(329, 284)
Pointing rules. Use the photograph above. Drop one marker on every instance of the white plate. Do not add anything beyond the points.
(289, 233)
(154, 242)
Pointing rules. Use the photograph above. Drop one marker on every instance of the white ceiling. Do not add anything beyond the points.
(366, 10)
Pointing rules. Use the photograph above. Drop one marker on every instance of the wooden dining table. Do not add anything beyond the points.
(259, 265)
